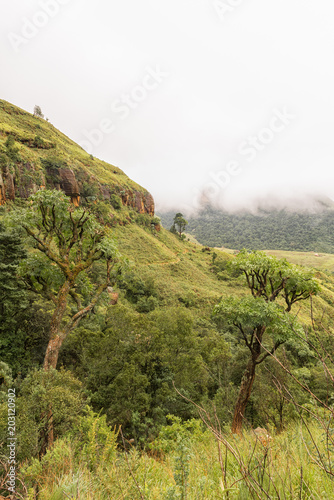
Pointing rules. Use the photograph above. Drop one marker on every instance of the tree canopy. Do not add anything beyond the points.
(262, 321)
(68, 241)
(179, 224)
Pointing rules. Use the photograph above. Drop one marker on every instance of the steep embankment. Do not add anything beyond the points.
(34, 154)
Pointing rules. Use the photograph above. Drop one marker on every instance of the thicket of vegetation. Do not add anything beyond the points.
(134, 378)
(133, 351)
(271, 230)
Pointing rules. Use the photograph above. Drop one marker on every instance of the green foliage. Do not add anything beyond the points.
(12, 152)
(250, 313)
(116, 201)
(179, 224)
(147, 304)
(143, 220)
(13, 300)
(95, 442)
(38, 111)
(283, 469)
(269, 277)
(36, 393)
(170, 436)
(280, 230)
(52, 217)
(89, 191)
(38, 142)
(90, 441)
(176, 439)
(129, 356)
(256, 319)
(53, 163)
(130, 366)
(137, 290)
(6, 380)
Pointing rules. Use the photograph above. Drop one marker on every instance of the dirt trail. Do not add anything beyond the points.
(166, 263)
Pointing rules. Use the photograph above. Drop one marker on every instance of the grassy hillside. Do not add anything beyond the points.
(25, 128)
(183, 272)
(130, 374)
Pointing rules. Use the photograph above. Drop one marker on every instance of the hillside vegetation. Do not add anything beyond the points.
(36, 139)
(277, 230)
(140, 402)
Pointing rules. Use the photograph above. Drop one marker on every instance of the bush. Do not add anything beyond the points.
(116, 201)
(147, 304)
(38, 142)
(143, 220)
(35, 394)
(12, 151)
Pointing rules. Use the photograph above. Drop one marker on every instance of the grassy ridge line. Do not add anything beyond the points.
(24, 127)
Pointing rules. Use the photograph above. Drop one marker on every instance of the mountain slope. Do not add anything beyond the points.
(34, 153)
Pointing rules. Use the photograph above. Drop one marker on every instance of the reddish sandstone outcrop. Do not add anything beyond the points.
(69, 185)
(142, 202)
(149, 204)
(63, 179)
(28, 180)
(105, 192)
(29, 183)
(2, 191)
(9, 184)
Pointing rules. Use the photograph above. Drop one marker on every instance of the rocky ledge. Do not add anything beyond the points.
(24, 180)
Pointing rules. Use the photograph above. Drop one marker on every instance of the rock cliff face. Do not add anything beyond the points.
(21, 182)
(2, 191)
(26, 180)
(66, 181)
(35, 155)
(141, 202)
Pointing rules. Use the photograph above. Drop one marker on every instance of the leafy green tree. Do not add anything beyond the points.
(179, 224)
(35, 394)
(38, 112)
(262, 324)
(13, 297)
(68, 241)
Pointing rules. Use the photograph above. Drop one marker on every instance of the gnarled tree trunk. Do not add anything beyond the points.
(243, 397)
(55, 336)
(248, 379)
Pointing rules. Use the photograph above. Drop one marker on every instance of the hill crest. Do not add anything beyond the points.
(35, 155)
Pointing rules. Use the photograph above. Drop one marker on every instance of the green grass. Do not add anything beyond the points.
(181, 271)
(23, 126)
(283, 468)
(322, 261)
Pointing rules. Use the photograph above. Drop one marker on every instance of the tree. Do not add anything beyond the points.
(13, 297)
(179, 224)
(38, 112)
(68, 240)
(260, 322)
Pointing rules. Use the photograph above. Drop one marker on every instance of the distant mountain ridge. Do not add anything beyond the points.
(304, 231)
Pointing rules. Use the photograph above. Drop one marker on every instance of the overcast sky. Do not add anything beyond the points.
(229, 99)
